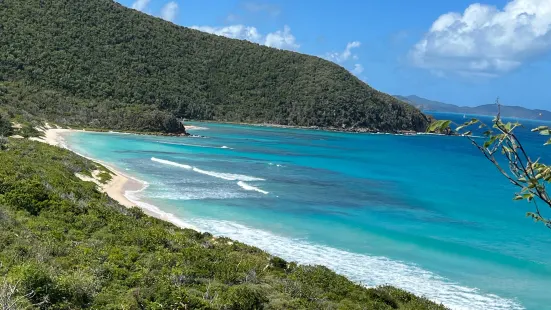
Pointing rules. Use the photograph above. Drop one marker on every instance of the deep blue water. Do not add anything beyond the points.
(425, 213)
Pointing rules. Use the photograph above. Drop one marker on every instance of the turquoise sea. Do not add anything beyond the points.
(425, 213)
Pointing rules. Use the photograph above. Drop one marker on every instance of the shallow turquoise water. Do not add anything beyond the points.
(424, 213)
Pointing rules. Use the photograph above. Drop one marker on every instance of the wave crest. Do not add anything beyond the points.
(171, 163)
(219, 175)
(248, 187)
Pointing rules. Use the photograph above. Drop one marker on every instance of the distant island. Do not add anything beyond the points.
(487, 109)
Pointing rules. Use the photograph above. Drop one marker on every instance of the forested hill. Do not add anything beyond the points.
(98, 64)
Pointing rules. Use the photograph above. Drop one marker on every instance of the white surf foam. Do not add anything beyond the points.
(248, 187)
(220, 175)
(365, 269)
(227, 176)
(134, 197)
(187, 144)
(196, 145)
(171, 163)
(196, 194)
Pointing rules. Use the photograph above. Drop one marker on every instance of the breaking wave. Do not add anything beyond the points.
(220, 175)
(248, 187)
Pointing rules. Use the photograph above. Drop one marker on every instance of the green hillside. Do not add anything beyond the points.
(98, 64)
(65, 245)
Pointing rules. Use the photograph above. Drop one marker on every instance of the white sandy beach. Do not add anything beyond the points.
(193, 127)
(121, 186)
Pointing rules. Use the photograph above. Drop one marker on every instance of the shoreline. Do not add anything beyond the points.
(361, 131)
(119, 183)
(121, 187)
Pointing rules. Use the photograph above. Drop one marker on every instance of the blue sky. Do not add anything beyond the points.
(459, 51)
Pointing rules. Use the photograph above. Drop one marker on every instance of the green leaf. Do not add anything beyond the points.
(467, 124)
(440, 125)
(545, 132)
(518, 197)
(528, 196)
(490, 141)
(536, 217)
(434, 125)
(445, 125)
(548, 142)
(540, 128)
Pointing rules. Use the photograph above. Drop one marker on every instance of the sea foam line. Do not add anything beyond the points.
(248, 187)
(171, 163)
(154, 211)
(361, 268)
(220, 175)
(197, 145)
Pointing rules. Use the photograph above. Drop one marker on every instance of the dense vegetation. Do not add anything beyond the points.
(65, 245)
(96, 63)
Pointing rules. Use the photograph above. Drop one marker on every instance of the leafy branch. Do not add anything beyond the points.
(531, 176)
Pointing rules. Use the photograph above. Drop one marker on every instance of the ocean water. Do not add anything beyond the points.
(425, 213)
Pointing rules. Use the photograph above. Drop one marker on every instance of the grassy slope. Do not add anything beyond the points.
(69, 246)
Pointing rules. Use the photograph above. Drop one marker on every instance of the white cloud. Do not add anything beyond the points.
(169, 11)
(358, 69)
(486, 41)
(344, 58)
(282, 39)
(140, 5)
(344, 55)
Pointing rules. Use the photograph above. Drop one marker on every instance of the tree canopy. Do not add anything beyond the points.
(99, 64)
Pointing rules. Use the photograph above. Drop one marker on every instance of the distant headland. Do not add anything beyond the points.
(427, 105)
